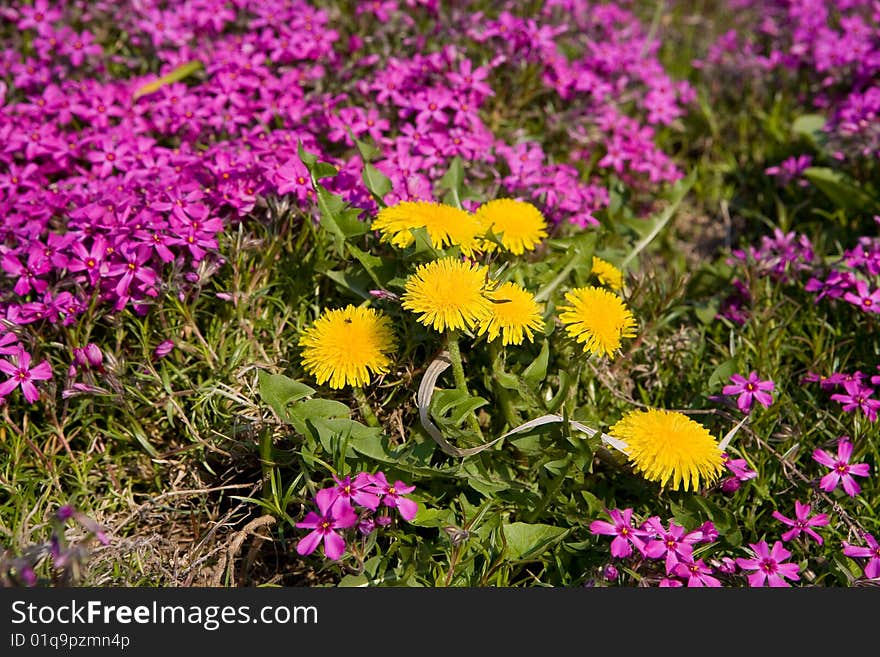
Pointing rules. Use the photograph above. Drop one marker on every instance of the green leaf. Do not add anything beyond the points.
(432, 517)
(537, 369)
(340, 429)
(181, 72)
(320, 408)
(352, 581)
(525, 540)
(377, 182)
(369, 153)
(808, 125)
(443, 400)
(595, 506)
(358, 283)
(458, 402)
(379, 270)
(468, 406)
(307, 158)
(722, 373)
(324, 170)
(506, 379)
(707, 312)
(839, 188)
(279, 391)
(453, 180)
(565, 383)
(373, 445)
(725, 521)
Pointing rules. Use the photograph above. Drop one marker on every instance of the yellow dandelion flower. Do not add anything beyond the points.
(346, 344)
(519, 225)
(597, 318)
(446, 225)
(667, 445)
(607, 274)
(515, 314)
(449, 294)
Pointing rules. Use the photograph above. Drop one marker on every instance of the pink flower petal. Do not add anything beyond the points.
(823, 457)
(334, 546)
(308, 543)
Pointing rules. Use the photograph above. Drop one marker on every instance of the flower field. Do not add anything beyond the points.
(558, 293)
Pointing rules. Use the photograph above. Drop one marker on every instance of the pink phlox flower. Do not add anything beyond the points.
(749, 389)
(709, 531)
(625, 535)
(28, 275)
(858, 396)
(739, 467)
(324, 525)
(20, 373)
(802, 522)
(357, 491)
(392, 495)
(675, 544)
(867, 300)
(768, 565)
(842, 471)
(842, 378)
(697, 574)
(871, 552)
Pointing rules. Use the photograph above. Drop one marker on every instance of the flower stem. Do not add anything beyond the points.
(458, 375)
(266, 462)
(364, 407)
(503, 394)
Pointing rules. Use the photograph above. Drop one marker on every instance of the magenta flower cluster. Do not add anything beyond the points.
(353, 502)
(833, 46)
(766, 565)
(672, 544)
(115, 193)
(851, 279)
(855, 390)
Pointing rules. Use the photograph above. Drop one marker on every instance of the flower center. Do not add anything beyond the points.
(768, 566)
